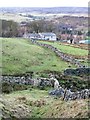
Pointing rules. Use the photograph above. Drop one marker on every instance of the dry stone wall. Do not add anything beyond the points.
(69, 95)
(60, 54)
(26, 80)
(77, 72)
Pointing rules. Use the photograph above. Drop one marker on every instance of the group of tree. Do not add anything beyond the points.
(9, 28)
(13, 29)
(41, 26)
(50, 26)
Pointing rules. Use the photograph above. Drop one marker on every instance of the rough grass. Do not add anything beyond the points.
(20, 56)
(31, 100)
(68, 49)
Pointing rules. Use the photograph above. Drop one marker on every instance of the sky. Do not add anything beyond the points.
(44, 3)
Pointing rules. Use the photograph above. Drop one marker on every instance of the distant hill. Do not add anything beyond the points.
(51, 10)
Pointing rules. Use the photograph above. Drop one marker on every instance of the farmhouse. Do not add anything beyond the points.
(48, 36)
(31, 35)
(40, 36)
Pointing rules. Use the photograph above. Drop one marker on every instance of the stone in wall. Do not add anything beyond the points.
(77, 72)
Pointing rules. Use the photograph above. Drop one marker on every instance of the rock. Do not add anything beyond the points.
(58, 92)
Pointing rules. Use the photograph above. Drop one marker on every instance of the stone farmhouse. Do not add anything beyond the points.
(41, 36)
(31, 35)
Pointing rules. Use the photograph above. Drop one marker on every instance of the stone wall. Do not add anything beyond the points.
(42, 82)
(18, 79)
(63, 56)
(69, 95)
(26, 80)
(77, 72)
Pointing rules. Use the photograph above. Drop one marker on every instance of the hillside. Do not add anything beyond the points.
(20, 56)
(34, 103)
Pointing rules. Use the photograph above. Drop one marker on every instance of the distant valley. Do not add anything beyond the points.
(54, 10)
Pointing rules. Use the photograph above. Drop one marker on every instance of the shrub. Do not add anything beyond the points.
(7, 87)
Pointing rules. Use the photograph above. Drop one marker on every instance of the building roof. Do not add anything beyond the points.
(33, 34)
(48, 34)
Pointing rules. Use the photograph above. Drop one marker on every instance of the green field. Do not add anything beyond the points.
(20, 56)
(67, 49)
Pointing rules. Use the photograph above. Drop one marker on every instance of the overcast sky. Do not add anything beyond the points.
(43, 3)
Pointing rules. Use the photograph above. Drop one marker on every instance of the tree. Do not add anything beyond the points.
(9, 29)
(41, 26)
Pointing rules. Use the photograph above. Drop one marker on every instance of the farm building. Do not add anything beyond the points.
(32, 35)
(41, 36)
(48, 36)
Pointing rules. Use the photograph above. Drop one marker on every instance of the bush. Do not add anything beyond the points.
(7, 87)
(19, 87)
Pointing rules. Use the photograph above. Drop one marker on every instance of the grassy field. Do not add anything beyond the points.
(20, 56)
(37, 104)
(68, 49)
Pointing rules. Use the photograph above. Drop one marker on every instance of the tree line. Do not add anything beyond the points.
(14, 29)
